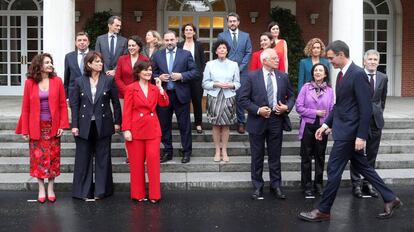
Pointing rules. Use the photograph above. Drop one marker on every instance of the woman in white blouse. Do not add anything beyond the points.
(221, 80)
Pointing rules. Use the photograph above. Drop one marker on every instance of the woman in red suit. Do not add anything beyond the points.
(43, 118)
(142, 131)
(123, 74)
(266, 41)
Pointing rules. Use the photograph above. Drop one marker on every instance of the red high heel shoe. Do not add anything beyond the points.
(51, 199)
(41, 200)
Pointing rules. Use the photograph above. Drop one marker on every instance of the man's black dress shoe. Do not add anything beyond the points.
(314, 216)
(166, 157)
(257, 194)
(277, 192)
(389, 208)
(357, 191)
(371, 191)
(308, 193)
(185, 159)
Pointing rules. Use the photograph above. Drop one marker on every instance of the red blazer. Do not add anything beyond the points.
(255, 62)
(123, 74)
(29, 122)
(139, 113)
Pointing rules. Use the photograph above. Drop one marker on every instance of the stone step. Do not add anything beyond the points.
(203, 149)
(204, 164)
(9, 123)
(197, 181)
(207, 136)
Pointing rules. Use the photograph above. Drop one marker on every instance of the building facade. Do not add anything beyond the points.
(28, 27)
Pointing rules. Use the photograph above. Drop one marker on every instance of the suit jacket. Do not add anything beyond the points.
(305, 67)
(242, 53)
(253, 95)
(184, 64)
(29, 121)
(378, 99)
(352, 111)
(140, 115)
(83, 108)
(123, 74)
(72, 71)
(255, 62)
(102, 46)
(198, 57)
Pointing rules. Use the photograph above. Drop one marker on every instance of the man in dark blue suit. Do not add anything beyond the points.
(268, 97)
(176, 68)
(349, 121)
(240, 52)
(74, 61)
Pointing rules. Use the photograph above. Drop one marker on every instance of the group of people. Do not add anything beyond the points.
(127, 86)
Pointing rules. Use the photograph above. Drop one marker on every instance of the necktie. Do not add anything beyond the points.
(371, 81)
(339, 77)
(269, 90)
(81, 62)
(170, 84)
(112, 46)
(234, 40)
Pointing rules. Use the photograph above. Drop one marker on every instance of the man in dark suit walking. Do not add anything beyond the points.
(349, 121)
(379, 84)
(240, 52)
(112, 45)
(74, 61)
(268, 97)
(176, 68)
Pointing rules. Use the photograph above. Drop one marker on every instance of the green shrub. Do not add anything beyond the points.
(97, 25)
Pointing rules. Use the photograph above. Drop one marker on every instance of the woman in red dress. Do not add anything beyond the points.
(280, 46)
(123, 74)
(44, 116)
(142, 131)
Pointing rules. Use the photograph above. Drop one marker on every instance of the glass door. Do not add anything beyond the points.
(21, 40)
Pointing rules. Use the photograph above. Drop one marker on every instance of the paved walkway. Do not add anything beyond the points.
(396, 107)
(199, 211)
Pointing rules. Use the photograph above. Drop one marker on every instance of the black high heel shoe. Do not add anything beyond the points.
(199, 129)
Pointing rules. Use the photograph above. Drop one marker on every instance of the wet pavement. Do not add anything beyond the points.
(230, 210)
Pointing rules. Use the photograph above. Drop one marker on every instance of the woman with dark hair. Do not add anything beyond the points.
(280, 46)
(93, 124)
(191, 44)
(314, 103)
(266, 41)
(221, 80)
(123, 74)
(315, 51)
(142, 131)
(43, 117)
(153, 42)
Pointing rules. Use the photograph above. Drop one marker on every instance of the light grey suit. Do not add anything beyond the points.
(102, 46)
(377, 123)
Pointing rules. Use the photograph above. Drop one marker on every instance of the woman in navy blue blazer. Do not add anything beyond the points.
(315, 51)
(93, 124)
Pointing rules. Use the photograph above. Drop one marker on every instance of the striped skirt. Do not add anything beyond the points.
(45, 153)
(221, 111)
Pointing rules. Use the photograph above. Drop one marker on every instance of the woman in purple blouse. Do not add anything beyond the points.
(314, 103)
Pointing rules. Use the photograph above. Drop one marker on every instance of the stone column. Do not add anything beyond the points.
(348, 26)
(58, 30)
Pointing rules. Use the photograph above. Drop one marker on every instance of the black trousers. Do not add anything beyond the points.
(182, 112)
(310, 147)
(196, 98)
(372, 147)
(83, 181)
(273, 136)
